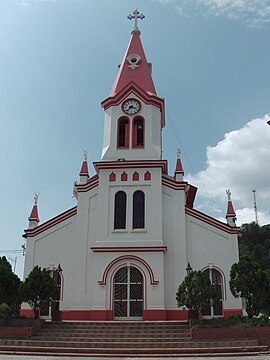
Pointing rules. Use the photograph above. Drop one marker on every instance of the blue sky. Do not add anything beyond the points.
(58, 62)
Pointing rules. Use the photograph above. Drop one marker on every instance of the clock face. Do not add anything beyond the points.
(131, 106)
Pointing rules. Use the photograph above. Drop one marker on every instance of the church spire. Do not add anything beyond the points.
(230, 216)
(134, 67)
(33, 218)
(179, 172)
(84, 173)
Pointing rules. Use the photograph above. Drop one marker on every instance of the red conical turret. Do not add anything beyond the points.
(33, 218)
(230, 216)
(179, 172)
(84, 173)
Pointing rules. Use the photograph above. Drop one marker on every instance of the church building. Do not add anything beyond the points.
(123, 250)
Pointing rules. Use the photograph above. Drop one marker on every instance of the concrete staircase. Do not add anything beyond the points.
(124, 339)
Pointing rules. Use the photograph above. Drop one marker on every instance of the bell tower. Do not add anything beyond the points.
(134, 114)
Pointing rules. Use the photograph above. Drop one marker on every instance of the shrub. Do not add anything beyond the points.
(5, 311)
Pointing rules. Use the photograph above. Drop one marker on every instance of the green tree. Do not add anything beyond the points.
(196, 292)
(249, 281)
(38, 287)
(9, 284)
(255, 243)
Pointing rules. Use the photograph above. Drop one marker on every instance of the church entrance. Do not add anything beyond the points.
(216, 279)
(51, 311)
(128, 294)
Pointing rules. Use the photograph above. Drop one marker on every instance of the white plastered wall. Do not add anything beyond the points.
(211, 247)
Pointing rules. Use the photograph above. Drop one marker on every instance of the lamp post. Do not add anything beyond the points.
(189, 268)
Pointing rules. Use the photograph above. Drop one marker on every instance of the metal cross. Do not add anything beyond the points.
(136, 15)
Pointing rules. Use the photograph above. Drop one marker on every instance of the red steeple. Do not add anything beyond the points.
(33, 218)
(84, 173)
(34, 214)
(179, 172)
(84, 169)
(134, 68)
(135, 75)
(230, 210)
(230, 216)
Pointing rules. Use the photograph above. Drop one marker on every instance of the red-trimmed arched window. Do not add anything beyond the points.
(138, 221)
(123, 133)
(138, 132)
(120, 206)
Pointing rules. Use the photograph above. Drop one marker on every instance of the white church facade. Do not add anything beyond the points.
(125, 247)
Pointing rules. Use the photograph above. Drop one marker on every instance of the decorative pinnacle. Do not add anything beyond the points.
(36, 198)
(136, 15)
(229, 194)
(178, 153)
(85, 155)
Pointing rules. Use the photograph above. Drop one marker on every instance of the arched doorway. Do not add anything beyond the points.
(216, 279)
(52, 311)
(128, 294)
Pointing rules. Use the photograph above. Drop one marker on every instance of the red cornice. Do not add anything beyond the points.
(50, 223)
(212, 221)
(129, 248)
(171, 183)
(131, 164)
(90, 184)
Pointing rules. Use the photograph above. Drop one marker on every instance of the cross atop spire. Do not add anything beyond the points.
(229, 194)
(136, 15)
(36, 198)
(85, 155)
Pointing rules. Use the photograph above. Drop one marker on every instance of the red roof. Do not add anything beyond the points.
(34, 214)
(230, 210)
(140, 75)
(179, 167)
(84, 169)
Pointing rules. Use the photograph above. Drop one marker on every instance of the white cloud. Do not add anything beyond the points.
(240, 162)
(255, 13)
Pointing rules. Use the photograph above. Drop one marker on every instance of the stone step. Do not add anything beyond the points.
(171, 351)
(124, 339)
(127, 344)
(118, 323)
(114, 334)
(117, 328)
(64, 337)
